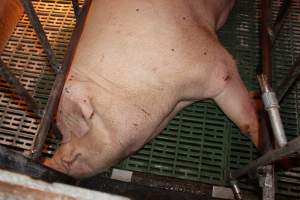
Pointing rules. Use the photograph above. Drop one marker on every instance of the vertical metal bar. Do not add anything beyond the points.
(59, 83)
(20, 90)
(267, 182)
(272, 107)
(266, 46)
(265, 41)
(36, 24)
(76, 8)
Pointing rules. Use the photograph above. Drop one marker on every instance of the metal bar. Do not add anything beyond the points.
(266, 46)
(235, 188)
(283, 12)
(267, 182)
(76, 8)
(269, 157)
(265, 41)
(20, 90)
(272, 106)
(13, 161)
(36, 24)
(289, 80)
(59, 83)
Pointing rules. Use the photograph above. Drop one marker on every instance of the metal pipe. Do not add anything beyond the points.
(235, 188)
(269, 157)
(265, 41)
(283, 12)
(37, 26)
(266, 46)
(272, 107)
(289, 80)
(20, 90)
(59, 84)
(267, 182)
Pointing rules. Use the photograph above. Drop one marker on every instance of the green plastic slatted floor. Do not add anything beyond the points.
(200, 144)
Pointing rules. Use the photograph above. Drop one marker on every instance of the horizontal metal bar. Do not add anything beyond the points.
(271, 156)
(20, 90)
(37, 26)
(59, 84)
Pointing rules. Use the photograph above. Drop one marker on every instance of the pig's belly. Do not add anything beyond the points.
(135, 67)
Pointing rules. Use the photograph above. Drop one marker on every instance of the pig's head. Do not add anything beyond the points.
(86, 147)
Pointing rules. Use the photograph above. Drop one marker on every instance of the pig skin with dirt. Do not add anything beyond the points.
(137, 64)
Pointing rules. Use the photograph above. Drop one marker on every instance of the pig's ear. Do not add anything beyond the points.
(74, 115)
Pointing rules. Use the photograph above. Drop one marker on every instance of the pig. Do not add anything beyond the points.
(137, 64)
(10, 12)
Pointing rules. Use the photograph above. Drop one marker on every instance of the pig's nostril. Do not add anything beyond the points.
(68, 164)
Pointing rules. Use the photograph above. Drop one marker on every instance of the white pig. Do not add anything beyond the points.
(137, 64)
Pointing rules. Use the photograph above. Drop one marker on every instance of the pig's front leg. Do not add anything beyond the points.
(236, 102)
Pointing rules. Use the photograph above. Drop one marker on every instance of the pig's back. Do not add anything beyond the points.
(137, 63)
(139, 52)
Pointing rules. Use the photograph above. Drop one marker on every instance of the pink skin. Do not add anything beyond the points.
(137, 64)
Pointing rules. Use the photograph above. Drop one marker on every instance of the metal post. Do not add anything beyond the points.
(272, 107)
(265, 41)
(267, 182)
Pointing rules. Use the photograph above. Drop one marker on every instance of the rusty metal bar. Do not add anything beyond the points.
(289, 80)
(59, 83)
(265, 41)
(20, 90)
(37, 26)
(292, 147)
(266, 70)
(76, 8)
(266, 66)
(283, 12)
